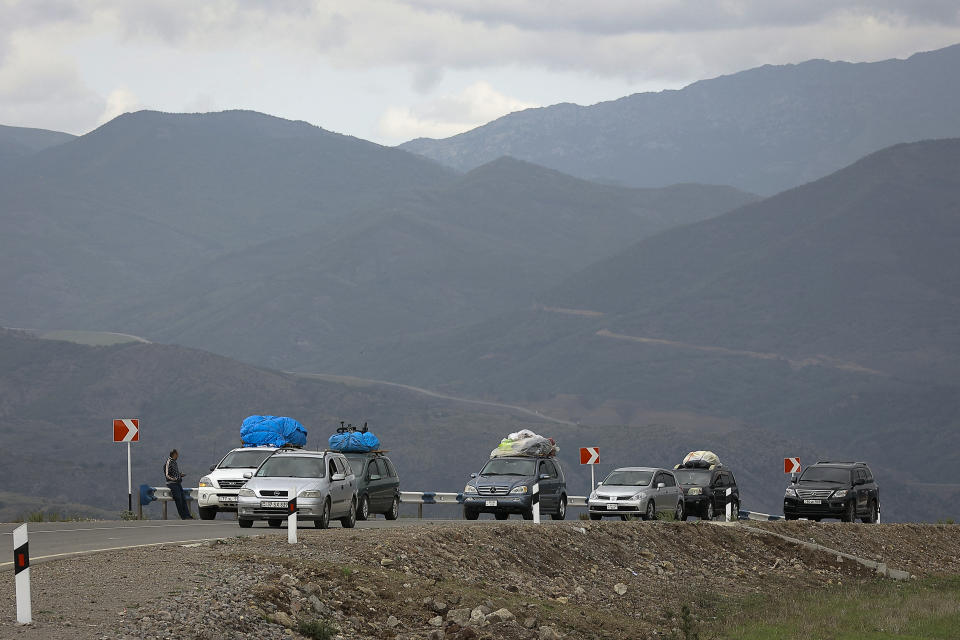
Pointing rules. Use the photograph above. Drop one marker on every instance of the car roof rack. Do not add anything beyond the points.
(840, 462)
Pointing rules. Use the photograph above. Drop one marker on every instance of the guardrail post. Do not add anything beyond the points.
(420, 511)
(729, 505)
(164, 509)
(21, 569)
(292, 519)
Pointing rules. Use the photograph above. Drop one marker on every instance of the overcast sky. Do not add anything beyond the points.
(391, 70)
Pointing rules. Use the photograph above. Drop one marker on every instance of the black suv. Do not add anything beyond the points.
(378, 485)
(705, 491)
(505, 485)
(844, 490)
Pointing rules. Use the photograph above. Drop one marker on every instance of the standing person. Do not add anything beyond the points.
(174, 478)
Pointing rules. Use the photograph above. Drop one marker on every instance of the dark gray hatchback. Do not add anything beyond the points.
(378, 485)
(505, 485)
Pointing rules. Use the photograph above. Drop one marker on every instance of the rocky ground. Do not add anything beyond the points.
(453, 581)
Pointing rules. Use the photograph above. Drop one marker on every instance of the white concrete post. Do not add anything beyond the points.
(292, 520)
(536, 503)
(21, 569)
(729, 504)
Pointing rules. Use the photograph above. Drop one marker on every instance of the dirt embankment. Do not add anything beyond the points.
(577, 579)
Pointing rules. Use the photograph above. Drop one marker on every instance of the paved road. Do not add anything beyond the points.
(50, 540)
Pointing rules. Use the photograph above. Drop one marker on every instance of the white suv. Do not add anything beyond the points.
(218, 490)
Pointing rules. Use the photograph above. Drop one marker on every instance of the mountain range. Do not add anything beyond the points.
(283, 244)
(762, 130)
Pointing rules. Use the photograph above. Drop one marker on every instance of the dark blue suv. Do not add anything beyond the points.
(505, 485)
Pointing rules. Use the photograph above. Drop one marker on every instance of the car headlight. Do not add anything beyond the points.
(639, 495)
(311, 493)
(469, 489)
(521, 489)
(205, 481)
(247, 493)
(593, 495)
(840, 493)
(694, 491)
(791, 492)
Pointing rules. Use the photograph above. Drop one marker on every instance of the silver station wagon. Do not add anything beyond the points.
(322, 482)
(636, 491)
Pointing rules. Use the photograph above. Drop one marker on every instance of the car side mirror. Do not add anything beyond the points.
(373, 476)
(248, 474)
(661, 485)
(337, 477)
(859, 481)
(794, 477)
(212, 467)
(599, 484)
(473, 475)
(544, 476)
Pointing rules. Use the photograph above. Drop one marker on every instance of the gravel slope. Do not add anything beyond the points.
(579, 579)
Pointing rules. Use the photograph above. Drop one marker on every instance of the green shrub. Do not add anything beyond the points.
(317, 629)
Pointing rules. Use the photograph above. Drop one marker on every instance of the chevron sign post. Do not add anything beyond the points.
(791, 465)
(127, 430)
(590, 456)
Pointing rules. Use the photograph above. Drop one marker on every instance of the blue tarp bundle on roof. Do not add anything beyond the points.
(354, 442)
(273, 431)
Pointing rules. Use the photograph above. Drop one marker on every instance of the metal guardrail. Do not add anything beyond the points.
(162, 494)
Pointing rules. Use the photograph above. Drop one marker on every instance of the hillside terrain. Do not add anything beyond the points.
(577, 580)
(66, 396)
(287, 245)
(762, 130)
(17, 143)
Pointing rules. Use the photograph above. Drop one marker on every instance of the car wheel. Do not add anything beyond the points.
(650, 513)
(274, 522)
(708, 512)
(363, 509)
(351, 520)
(394, 512)
(595, 516)
(470, 514)
(528, 514)
(850, 515)
(680, 514)
(735, 511)
(245, 523)
(789, 517)
(501, 516)
(872, 516)
(207, 513)
(324, 521)
(562, 510)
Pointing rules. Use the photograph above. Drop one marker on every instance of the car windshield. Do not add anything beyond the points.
(291, 467)
(692, 477)
(508, 467)
(620, 478)
(826, 474)
(244, 459)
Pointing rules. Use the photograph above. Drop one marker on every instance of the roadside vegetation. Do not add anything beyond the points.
(928, 608)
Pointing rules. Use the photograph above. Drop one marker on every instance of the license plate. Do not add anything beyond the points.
(490, 503)
(228, 498)
(612, 506)
(273, 504)
(812, 502)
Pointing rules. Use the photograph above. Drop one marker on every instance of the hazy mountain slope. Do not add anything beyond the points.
(150, 194)
(431, 260)
(859, 266)
(762, 130)
(18, 142)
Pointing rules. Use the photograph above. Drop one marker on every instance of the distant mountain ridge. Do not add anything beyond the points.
(762, 130)
(18, 142)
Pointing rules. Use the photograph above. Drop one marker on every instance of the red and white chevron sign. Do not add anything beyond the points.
(126, 430)
(791, 465)
(589, 455)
